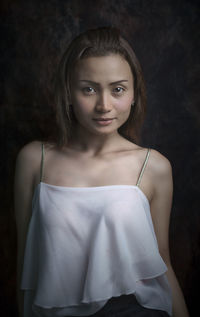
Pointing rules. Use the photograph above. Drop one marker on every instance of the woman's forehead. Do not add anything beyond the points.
(111, 66)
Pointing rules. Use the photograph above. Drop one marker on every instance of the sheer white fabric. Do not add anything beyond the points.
(88, 244)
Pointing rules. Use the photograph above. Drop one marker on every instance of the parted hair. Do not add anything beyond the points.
(98, 42)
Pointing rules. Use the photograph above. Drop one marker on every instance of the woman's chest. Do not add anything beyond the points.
(123, 169)
(92, 172)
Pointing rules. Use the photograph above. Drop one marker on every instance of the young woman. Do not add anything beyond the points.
(93, 208)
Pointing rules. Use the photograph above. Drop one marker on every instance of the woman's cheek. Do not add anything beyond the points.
(124, 104)
(83, 105)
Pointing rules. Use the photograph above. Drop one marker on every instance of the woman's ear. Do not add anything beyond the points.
(133, 103)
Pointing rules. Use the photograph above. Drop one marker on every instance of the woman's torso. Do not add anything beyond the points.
(70, 170)
(75, 218)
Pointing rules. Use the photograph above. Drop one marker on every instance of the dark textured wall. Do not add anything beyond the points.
(164, 35)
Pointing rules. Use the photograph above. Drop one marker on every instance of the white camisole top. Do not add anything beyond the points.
(88, 244)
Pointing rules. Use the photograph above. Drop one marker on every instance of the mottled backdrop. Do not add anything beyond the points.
(164, 35)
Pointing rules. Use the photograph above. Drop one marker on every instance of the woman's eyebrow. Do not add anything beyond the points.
(119, 81)
(113, 83)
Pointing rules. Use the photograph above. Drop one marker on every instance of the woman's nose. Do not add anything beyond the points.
(103, 103)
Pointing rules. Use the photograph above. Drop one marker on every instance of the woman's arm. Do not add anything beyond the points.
(160, 209)
(26, 165)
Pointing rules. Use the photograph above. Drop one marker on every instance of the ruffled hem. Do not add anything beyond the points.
(80, 310)
(98, 285)
(145, 294)
(152, 292)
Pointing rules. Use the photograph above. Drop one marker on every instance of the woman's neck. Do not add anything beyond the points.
(94, 145)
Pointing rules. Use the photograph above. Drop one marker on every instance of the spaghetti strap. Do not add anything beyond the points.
(143, 167)
(42, 163)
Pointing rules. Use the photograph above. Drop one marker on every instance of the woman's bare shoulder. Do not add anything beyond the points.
(161, 169)
(159, 163)
(30, 151)
(29, 159)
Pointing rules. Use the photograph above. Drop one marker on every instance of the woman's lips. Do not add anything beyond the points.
(104, 121)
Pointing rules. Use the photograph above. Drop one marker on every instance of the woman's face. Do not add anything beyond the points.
(102, 88)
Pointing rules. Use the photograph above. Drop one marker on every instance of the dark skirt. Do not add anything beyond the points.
(126, 306)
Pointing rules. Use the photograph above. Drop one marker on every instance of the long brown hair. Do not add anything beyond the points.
(93, 43)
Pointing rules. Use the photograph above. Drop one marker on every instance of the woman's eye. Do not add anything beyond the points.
(88, 90)
(118, 90)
